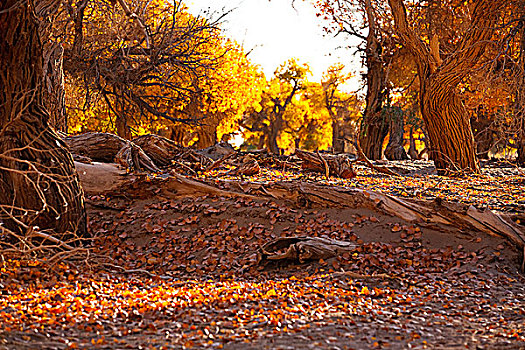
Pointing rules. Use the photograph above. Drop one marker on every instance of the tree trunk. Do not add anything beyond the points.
(446, 119)
(395, 150)
(448, 126)
(38, 182)
(520, 101)
(207, 135)
(412, 150)
(338, 141)
(54, 94)
(483, 135)
(274, 131)
(374, 127)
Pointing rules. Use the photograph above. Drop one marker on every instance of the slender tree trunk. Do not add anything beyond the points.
(412, 150)
(338, 141)
(39, 186)
(520, 101)
(374, 128)
(395, 150)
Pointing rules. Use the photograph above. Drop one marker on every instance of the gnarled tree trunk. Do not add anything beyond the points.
(38, 182)
(446, 118)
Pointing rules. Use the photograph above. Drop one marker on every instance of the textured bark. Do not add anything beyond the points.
(520, 101)
(160, 149)
(395, 150)
(274, 132)
(374, 127)
(54, 94)
(133, 158)
(207, 135)
(446, 119)
(101, 147)
(38, 182)
(302, 249)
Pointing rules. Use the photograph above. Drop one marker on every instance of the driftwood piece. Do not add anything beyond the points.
(160, 149)
(99, 178)
(132, 157)
(99, 146)
(302, 249)
(338, 165)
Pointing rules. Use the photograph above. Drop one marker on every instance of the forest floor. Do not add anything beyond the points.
(181, 271)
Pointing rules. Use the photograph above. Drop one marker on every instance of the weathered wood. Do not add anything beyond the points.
(99, 146)
(160, 149)
(133, 158)
(302, 249)
(339, 165)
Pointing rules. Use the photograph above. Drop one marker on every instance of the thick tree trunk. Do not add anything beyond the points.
(448, 126)
(447, 122)
(374, 127)
(395, 150)
(207, 135)
(38, 182)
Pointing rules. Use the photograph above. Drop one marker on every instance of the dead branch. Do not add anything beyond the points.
(218, 162)
(361, 157)
(325, 163)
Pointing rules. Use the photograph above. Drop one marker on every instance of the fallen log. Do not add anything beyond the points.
(338, 165)
(98, 146)
(160, 149)
(443, 216)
